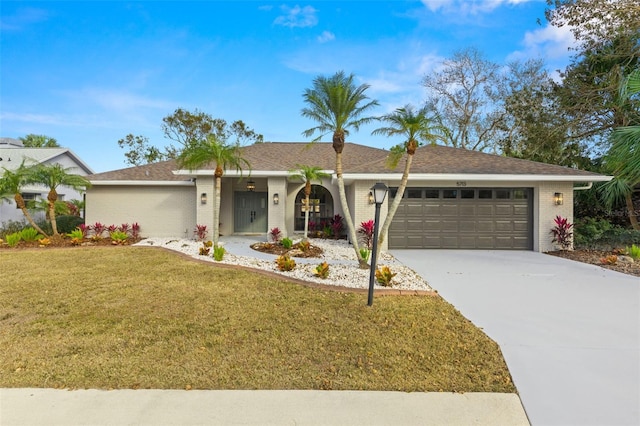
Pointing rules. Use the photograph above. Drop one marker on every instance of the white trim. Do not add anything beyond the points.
(141, 183)
(349, 178)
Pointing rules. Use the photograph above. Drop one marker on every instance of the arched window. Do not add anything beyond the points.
(321, 203)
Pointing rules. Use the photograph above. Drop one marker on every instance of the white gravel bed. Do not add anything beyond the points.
(343, 266)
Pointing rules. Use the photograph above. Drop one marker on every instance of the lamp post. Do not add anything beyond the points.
(379, 193)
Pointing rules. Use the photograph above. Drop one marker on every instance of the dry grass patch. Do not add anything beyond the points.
(134, 317)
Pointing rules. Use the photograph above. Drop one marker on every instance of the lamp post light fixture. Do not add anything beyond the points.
(379, 193)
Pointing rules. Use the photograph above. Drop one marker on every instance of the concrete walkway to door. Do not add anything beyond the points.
(569, 332)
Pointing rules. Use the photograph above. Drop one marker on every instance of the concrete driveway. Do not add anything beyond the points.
(569, 332)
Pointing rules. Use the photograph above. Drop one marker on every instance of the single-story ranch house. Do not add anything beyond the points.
(455, 198)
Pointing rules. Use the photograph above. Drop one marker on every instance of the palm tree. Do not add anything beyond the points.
(418, 127)
(211, 150)
(53, 176)
(11, 183)
(623, 158)
(307, 174)
(337, 105)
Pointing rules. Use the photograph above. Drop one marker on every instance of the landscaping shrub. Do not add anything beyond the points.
(13, 239)
(285, 263)
(30, 234)
(600, 234)
(275, 234)
(200, 232)
(287, 243)
(322, 270)
(633, 251)
(562, 233)
(218, 253)
(118, 237)
(365, 231)
(11, 227)
(384, 276)
(67, 223)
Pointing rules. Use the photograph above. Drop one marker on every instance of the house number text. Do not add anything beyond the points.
(461, 183)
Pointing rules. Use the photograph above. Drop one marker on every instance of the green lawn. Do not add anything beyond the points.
(134, 317)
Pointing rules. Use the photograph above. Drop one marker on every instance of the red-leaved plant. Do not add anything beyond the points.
(366, 233)
(111, 229)
(125, 227)
(562, 233)
(98, 229)
(275, 234)
(84, 229)
(135, 230)
(201, 232)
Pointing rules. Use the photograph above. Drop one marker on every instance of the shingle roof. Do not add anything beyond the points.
(437, 159)
(11, 158)
(357, 159)
(161, 171)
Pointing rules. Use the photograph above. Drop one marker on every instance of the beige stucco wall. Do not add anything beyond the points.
(161, 211)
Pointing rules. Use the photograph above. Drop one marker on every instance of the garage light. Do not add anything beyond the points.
(558, 198)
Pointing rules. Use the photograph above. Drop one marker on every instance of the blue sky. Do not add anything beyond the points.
(89, 73)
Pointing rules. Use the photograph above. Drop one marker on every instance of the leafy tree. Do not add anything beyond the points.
(594, 22)
(532, 128)
(337, 105)
(212, 150)
(140, 151)
(623, 159)
(467, 93)
(11, 184)
(53, 176)
(307, 174)
(39, 141)
(185, 128)
(417, 127)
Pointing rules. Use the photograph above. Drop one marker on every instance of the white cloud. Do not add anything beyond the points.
(297, 17)
(550, 42)
(326, 36)
(468, 7)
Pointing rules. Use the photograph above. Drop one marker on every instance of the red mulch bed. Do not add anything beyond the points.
(595, 257)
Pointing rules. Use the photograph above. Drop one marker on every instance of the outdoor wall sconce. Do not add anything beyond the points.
(558, 198)
(371, 199)
(251, 185)
(276, 198)
(203, 198)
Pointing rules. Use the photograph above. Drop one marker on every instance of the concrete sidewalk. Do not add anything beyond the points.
(174, 407)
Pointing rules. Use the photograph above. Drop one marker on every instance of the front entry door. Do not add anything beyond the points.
(250, 212)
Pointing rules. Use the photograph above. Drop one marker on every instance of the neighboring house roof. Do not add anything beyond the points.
(11, 156)
(360, 162)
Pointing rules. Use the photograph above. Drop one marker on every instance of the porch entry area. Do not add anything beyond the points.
(250, 212)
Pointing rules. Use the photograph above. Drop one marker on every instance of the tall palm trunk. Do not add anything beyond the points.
(23, 207)
(362, 263)
(633, 217)
(396, 202)
(52, 197)
(216, 211)
(307, 193)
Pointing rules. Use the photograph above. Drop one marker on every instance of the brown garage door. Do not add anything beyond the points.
(464, 218)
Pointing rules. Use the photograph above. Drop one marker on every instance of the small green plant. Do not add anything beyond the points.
(13, 239)
(365, 252)
(76, 234)
(285, 263)
(384, 276)
(30, 234)
(287, 243)
(633, 251)
(218, 253)
(118, 237)
(322, 270)
(44, 242)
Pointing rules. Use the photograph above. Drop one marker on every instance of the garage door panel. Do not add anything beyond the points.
(473, 223)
